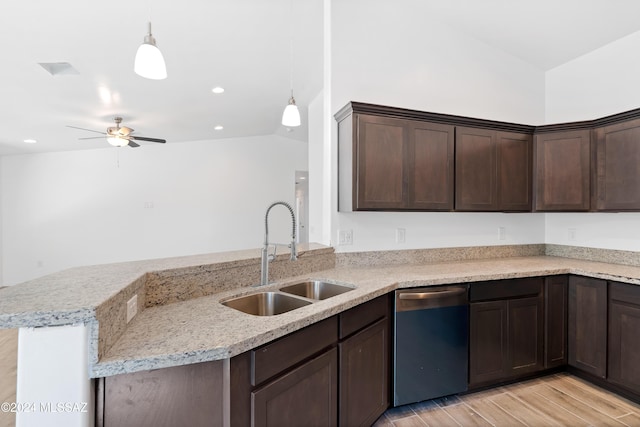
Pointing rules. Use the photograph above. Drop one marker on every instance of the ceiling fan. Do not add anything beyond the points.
(120, 136)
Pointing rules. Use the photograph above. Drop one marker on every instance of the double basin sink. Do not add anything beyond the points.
(287, 298)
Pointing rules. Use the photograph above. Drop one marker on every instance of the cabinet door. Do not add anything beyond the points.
(306, 396)
(555, 298)
(624, 346)
(476, 188)
(381, 152)
(514, 171)
(488, 355)
(617, 172)
(525, 339)
(431, 149)
(587, 328)
(364, 375)
(180, 395)
(562, 171)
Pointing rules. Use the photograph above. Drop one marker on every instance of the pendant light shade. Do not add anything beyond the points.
(149, 62)
(291, 115)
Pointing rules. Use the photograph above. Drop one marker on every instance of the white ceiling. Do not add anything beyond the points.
(241, 45)
(544, 33)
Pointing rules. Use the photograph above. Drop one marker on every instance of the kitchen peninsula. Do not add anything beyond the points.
(181, 322)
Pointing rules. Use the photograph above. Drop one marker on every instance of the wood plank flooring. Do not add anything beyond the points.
(8, 357)
(555, 400)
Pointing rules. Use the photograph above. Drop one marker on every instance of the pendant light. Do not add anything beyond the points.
(149, 62)
(291, 115)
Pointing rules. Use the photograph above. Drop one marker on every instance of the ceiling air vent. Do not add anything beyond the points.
(59, 68)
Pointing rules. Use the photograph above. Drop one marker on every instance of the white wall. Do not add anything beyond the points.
(1, 228)
(392, 53)
(597, 84)
(94, 206)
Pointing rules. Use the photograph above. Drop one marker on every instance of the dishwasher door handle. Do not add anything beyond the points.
(432, 294)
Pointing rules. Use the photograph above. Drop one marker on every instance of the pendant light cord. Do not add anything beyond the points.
(291, 46)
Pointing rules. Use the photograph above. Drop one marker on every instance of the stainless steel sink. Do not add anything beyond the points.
(316, 289)
(265, 303)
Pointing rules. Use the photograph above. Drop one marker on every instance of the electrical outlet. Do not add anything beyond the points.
(132, 307)
(572, 234)
(502, 233)
(345, 237)
(401, 235)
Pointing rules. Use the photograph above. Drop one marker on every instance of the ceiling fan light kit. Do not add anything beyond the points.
(149, 62)
(117, 141)
(121, 136)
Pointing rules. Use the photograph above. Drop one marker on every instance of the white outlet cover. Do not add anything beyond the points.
(132, 307)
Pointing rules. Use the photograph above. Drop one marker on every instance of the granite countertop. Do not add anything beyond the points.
(201, 329)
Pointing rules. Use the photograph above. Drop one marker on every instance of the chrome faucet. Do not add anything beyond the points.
(266, 256)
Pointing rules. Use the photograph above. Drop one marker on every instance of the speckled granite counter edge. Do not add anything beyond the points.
(423, 256)
(543, 266)
(612, 256)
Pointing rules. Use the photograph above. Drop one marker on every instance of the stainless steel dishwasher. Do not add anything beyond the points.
(431, 343)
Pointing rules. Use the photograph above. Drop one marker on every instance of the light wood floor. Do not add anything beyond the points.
(555, 400)
(8, 357)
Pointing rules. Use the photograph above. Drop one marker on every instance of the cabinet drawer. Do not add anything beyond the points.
(275, 357)
(629, 294)
(504, 289)
(363, 315)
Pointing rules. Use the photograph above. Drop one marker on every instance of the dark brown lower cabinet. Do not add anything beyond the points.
(306, 396)
(624, 345)
(364, 375)
(555, 313)
(334, 372)
(587, 327)
(487, 342)
(506, 336)
(182, 395)
(526, 336)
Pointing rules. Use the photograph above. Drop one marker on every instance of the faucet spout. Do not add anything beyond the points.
(266, 257)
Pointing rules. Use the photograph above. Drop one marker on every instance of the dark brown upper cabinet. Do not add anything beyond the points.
(430, 159)
(397, 159)
(562, 171)
(394, 164)
(617, 171)
(493, 170)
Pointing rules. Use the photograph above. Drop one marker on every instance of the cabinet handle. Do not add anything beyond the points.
(432, 294)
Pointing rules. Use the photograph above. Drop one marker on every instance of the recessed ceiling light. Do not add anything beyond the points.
(219, 127)
(30, 141)
(217, 90)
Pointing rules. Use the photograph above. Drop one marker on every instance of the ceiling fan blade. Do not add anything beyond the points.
(144, 138)
(93, 137)
(133, 144)
(89, 130)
